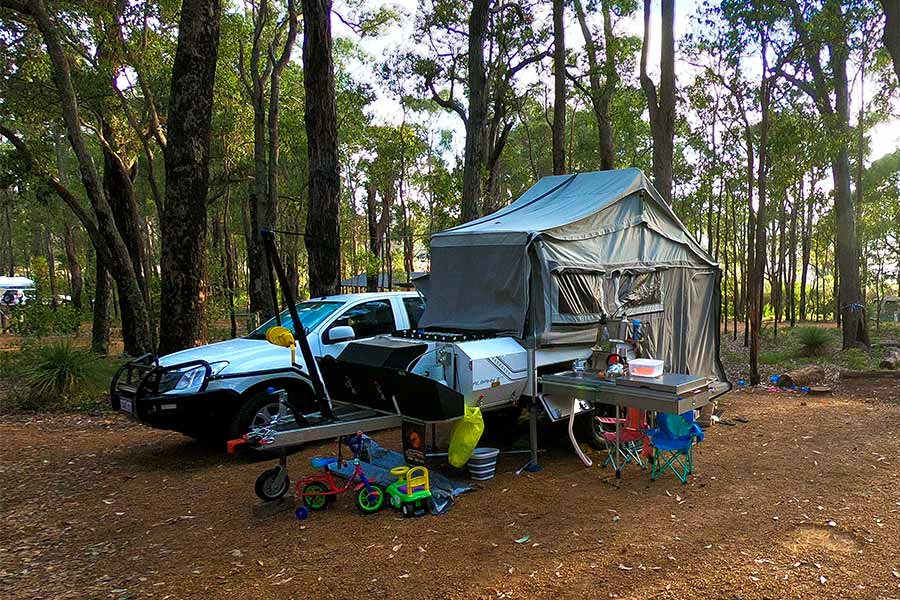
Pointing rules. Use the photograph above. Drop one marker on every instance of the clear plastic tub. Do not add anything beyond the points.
(645, 367)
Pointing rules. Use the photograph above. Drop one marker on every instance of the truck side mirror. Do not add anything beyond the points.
(341, 333)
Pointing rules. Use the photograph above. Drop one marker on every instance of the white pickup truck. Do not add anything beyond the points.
(219, 391)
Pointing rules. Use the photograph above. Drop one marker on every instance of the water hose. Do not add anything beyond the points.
(584, 459)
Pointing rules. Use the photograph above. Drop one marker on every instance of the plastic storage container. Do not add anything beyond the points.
(483, 463)
(645, 367)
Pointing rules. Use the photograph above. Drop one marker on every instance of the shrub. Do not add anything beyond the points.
(813, 340)
(60, 375)
(857, 359)
(37, 319)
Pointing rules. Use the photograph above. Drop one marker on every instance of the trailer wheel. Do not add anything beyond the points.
(268, 488)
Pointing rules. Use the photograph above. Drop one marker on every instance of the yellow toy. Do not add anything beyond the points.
(411, 491)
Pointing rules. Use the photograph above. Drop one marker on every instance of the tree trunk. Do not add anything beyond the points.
(323, 232)
(559, 88)
(757, 274)
(261, 217)
(183, 222)
(477, 117)
(100, 326)
(74, 266)
(806, 246)
(661, 104)
(792, 259)
(892, 32)
(51, 265)
(228, 255)
(11, 257)
(377, 227)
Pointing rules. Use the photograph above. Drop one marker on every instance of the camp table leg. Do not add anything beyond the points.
(616, 463)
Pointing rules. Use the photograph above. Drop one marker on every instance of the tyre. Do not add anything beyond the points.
(318, 500)
(257, 410)
(267, 486)
(407, 510)
(369, 503)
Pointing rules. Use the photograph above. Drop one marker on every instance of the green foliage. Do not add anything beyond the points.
(856, 359)
(59, 375)
(38, 319)
(813, 341)
(774, 357)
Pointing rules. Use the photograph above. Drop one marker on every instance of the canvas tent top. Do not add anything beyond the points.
(571, 249)
(565, 207)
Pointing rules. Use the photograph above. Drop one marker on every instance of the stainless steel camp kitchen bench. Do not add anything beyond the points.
(672, 393)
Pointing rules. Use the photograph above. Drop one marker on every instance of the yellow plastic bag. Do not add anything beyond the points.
(465, 436)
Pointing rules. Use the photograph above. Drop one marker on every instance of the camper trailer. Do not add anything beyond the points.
(523, 292)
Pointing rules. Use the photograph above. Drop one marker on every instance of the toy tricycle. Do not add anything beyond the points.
(317, 491)
(411, 491)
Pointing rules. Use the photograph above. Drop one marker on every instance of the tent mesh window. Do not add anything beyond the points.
(579, 293)
(639, 293)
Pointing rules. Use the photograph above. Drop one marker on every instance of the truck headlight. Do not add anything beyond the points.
(192, 378)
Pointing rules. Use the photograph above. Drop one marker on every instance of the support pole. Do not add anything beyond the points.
(533, 465)
(300, 332)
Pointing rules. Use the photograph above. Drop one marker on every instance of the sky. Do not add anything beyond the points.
(885, 136)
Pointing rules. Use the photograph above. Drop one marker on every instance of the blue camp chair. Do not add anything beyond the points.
(673, 442)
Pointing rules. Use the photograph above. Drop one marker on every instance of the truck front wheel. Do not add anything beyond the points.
(259, 410)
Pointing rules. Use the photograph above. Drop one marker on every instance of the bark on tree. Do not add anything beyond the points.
(377, 226)
(892, 32)
(101, 225)
(74, 266)
(100, 325)
(661, 103)
(51, 265)
(792, 259)
(477, 115)
(757, 273)
(323, 234)
(806, 246)
(117, 183)
(559, 88)
(183, 221)
(10, 254)
(260, 216)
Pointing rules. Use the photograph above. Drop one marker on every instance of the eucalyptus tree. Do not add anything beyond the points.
(604, 77)
(183, 217)
(478, 48)
(99, 221)
(829, 89)
(661, 99)
(274, 32)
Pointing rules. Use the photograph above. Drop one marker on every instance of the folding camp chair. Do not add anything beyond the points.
(631, 439)
(673, 443)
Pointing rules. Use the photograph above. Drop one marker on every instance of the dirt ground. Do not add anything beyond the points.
(803, 501)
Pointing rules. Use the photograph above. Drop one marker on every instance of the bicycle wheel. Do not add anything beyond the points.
(370, 502)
